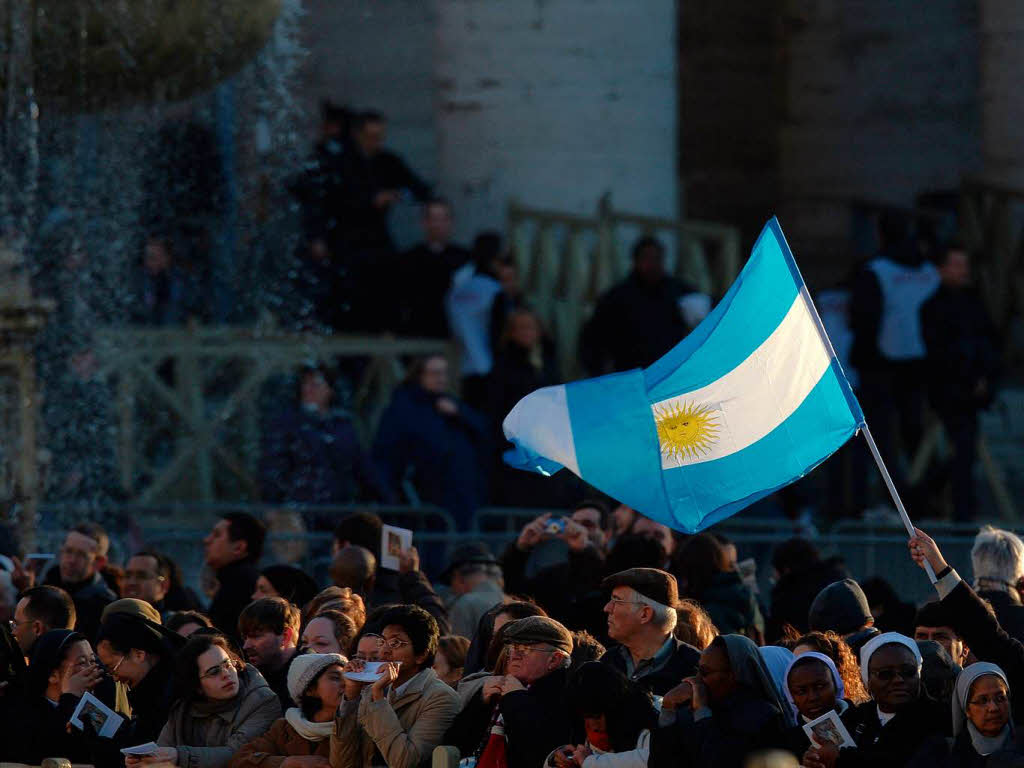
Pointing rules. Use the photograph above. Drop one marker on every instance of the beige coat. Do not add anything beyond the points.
(209, 740)
(405, 728)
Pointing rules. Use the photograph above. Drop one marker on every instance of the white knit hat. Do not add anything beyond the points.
(304, 669)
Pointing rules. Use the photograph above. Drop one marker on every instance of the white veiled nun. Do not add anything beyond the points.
(983, 745)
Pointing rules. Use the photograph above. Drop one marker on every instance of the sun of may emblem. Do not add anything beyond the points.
(685, 430)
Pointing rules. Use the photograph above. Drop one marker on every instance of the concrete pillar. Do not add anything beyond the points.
(555, 102)
(1002, 98)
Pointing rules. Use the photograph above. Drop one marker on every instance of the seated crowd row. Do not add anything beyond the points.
(380, 669)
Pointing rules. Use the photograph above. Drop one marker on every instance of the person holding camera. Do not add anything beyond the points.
(559, 560)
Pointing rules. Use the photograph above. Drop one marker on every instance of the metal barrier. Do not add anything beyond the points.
(304, 535)
(196, 392)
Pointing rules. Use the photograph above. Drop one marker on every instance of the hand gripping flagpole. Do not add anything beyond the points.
(866, 430)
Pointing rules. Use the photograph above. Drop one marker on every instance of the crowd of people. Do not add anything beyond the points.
(599, 639)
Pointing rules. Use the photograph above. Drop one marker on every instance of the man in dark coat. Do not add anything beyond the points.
(435, 440)
(232, 550)
(962, 363)
(372, 180)
(641, 318)
(641, 618)
(79, 573)
(426, 274)
(530, 699)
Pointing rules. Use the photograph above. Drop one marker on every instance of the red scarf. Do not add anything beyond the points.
(598, 740)
(495, 752)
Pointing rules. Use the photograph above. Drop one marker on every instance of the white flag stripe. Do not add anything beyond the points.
(760, 393)
(541, 420)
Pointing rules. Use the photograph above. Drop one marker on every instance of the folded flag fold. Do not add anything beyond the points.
(751, 400)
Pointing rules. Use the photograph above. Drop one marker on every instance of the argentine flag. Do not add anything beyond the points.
(753, 399)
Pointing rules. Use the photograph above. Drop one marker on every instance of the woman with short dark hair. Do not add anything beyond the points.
(404, 714)
(221, 704)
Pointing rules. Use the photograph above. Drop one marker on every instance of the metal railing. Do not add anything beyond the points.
(188, 400)
(567, 261)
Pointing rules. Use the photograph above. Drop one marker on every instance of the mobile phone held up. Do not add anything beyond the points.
(556, 527)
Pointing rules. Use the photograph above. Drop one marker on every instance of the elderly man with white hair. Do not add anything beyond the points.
(641, 617)
(998, 562)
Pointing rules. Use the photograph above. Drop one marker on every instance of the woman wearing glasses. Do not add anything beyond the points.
(899, 723)
(221, 704)
(139, 652)
(397, 720)
(981, 718)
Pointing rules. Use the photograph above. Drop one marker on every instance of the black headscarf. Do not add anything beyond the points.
(47, 655)
(125, 631)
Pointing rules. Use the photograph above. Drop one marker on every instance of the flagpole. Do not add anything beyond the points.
(864, 426)
(866, 430)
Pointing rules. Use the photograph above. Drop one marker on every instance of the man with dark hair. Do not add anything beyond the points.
(39, 610)
(232, 550)
(643, 317)
(641, 619)
(934, 622)
(558, 561)
(148, 576)
(361, 529)
(79, 573)
(402, 717)
(269, 628)
(427, 271)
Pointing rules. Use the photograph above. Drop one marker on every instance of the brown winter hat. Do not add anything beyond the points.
(538, 629)
(653, 583)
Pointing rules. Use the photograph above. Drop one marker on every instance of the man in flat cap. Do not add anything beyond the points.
(527, 704)
(641, 617)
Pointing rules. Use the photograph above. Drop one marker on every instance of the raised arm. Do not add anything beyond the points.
(973, 619)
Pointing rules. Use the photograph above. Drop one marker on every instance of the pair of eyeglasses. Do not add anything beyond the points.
(619, 601)
(394, 643)
(15, 624)
(143, 576)
(521, 649)
(1000, 699)
(889, 674)
(219, 669)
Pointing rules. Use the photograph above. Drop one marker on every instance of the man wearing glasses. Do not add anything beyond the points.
(147, 576)
(641, 617)
(40, 610)
(527, 702)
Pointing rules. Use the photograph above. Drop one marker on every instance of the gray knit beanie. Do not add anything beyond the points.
(304, 669)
